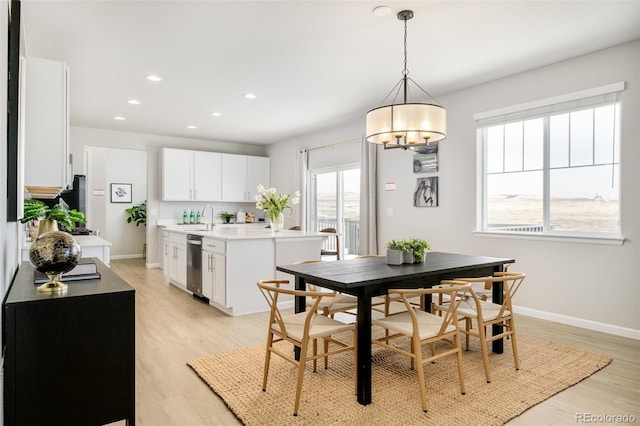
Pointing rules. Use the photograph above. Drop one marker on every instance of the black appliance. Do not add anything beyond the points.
(76, 198)
(194, 264)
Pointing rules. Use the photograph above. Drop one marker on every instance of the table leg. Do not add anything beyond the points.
(363, 369)
(497, 346)
(300, 305)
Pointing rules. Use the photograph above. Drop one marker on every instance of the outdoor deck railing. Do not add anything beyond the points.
(350, 238)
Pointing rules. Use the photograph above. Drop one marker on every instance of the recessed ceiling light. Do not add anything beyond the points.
(133, 102)
(119, 117)
(249, 96)
(153, 78)
(381, 10)
(216, 114)
(191, 126)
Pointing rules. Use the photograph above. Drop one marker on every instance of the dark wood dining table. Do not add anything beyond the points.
(369, 277)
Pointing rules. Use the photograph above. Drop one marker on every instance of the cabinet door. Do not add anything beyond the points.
(167, 253)
(219, 279)
(206, 175)
(258, 173)
(181, 260)
(234, 177)
(176, 174)
(207, 274)
(46, 124)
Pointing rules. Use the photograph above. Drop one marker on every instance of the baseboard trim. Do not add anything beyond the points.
(153, 265)
(127, 256)
(579, 322)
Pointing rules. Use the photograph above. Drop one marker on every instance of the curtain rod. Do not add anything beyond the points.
(332, 145)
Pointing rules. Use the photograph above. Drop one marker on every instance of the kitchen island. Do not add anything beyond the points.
(234, 259)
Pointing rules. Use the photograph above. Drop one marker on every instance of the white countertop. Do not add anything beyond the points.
(85, 241)
(249, 233)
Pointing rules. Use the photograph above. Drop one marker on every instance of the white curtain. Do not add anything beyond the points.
(368, 199)
(302, 160)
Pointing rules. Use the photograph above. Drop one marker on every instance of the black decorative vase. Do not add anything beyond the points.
(53, 254)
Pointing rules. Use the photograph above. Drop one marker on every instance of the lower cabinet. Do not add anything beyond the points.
(175, 258)
(214, 271)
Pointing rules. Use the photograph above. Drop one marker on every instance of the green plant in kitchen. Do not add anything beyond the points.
(270, 201)
(137, 214)
(226, 216)
(61, 213)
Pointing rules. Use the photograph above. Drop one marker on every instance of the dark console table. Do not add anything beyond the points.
(69, 358)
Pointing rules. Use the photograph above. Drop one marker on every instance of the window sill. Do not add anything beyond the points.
(612, 241)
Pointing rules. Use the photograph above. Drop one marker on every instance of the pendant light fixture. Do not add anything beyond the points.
(407, 124)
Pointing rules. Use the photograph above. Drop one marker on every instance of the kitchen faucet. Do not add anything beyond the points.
(204, 214)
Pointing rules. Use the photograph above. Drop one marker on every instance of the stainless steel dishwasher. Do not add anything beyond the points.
(194, 264)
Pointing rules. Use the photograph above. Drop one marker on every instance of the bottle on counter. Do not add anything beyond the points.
(192, 218)
(197, 216)
(185, 217)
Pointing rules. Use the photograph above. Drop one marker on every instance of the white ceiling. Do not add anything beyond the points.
(312, 64)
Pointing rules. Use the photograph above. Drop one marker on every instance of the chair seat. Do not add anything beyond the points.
(467, 308)
(338, 302)
(321, 326)
(428, 324)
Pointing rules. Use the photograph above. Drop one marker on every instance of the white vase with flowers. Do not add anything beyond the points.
(275, 204)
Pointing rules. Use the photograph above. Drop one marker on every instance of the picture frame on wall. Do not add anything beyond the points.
(425, 158)
(426, 193)
(121, 193)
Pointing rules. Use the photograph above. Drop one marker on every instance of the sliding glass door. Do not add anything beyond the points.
(335, 203)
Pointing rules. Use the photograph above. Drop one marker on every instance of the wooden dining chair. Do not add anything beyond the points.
(330, 252)
(331, 306)
(486, 313)
(295, 228)
(299, 330)
(424, 328)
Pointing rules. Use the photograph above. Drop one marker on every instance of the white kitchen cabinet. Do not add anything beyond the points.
(190, 175)
(241, 175)
(45, 95)
(214, 265)
(175, 245)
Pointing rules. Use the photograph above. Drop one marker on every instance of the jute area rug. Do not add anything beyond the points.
(328, 398)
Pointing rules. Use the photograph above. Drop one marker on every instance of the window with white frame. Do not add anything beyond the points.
(553, 168)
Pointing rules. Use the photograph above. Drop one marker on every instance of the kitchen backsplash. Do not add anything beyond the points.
(170, 212)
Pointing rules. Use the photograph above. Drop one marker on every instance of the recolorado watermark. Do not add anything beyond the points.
(605, 418)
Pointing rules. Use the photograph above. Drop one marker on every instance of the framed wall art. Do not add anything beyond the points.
(425, 158)
(426, 193)
(121, 193)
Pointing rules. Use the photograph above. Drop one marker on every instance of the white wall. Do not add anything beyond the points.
(82, 137)
(588, 285)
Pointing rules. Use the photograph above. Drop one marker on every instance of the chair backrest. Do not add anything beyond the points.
(295, 228)
(271, 289)
(456, 290)
(511, 282)
(334, 231)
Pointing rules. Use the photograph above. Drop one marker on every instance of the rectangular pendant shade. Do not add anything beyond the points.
(406, 124)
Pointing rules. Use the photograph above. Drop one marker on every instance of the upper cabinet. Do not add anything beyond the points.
(190, 175)
(241, 175)
(47, 159)
(212, 176)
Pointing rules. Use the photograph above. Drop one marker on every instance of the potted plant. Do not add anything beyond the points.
(406, 251)
(50, 217)
(396, 250)
(137, 214)
(419, 248)
(226, 217)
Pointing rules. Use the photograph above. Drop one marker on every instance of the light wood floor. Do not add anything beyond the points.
(172, 327)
